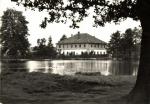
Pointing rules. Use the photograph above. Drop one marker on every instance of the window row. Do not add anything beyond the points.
(89, 53)
(82, 45)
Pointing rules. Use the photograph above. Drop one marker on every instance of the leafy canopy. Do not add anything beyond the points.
(125, 43)
(43, 50)
(13, 34)
(63, 37)
(76, 10)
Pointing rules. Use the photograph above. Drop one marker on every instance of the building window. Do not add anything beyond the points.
(104, 46)
(71, 46)
(59, 46)
(80, 45)
(95, 45)
(75, 45)
(97, 52)
(84, 45)
(91, 45)
(101, 45)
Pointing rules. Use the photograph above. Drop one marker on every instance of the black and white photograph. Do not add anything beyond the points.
(74, 51)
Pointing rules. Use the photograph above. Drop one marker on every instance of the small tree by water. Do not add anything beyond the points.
(43, 50)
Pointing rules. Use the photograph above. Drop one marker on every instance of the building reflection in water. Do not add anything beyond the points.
(74, 66)
(70, 67)
(39, 66)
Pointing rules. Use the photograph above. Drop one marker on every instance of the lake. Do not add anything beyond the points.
(70, 67)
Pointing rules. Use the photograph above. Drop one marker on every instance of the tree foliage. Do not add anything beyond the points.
(63, 37)
(77, 10)
(114, 44)
(13, 34)
(126, 44)
(51, 51)
(41, 42)
(44, 51)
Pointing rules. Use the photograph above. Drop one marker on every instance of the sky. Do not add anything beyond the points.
(56, 30)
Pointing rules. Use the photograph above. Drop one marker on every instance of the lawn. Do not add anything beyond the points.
(41, 88)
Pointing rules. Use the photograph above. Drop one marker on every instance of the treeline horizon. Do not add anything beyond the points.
(15, 43)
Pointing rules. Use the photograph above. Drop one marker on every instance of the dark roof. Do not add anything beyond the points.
(81, 38)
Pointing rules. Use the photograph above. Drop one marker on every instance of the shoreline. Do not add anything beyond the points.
(43, 59)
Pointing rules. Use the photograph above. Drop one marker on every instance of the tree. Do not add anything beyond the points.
(40, 50)
(63, 37)
(114, 44)
(137, 35)
(41, 42)
(43, 50)
(127, 43)
(51, 52)
(124, 45)
(13, 34)
(38, 42)
(50, 42)
(106, 11)
(137, 41)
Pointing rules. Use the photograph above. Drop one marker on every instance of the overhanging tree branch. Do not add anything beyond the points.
(76, 10)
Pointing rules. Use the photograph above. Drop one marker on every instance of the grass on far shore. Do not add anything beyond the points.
(41, 88)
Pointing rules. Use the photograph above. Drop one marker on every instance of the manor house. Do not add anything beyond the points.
(81, 43)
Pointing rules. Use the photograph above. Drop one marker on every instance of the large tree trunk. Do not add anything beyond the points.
(141, 91)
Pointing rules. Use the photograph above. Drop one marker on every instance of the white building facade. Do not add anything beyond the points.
(81, 43)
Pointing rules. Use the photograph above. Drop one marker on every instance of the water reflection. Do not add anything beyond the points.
(13, 66)
(39, 66)
(70, 67)
(123, 67)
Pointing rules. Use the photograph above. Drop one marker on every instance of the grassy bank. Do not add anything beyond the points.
(39, 88)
